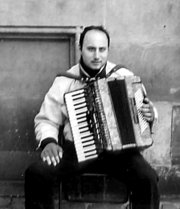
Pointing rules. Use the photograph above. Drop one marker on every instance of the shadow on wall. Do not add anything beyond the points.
(164, 155)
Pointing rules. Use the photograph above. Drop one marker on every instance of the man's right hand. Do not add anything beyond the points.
(52, 154)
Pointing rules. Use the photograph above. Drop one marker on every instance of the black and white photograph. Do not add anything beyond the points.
(90, 104)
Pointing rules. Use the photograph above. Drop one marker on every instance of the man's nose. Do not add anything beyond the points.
(96, 54)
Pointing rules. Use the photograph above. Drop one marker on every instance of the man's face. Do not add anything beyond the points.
(95, 49)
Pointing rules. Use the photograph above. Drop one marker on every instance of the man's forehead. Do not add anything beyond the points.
(95, 36)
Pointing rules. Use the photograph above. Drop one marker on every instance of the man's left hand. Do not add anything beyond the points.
(147, 110)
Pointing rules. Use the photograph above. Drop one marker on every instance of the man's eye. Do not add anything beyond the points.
(91, 49)
(102, 49)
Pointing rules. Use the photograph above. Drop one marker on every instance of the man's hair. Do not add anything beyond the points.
(93, 27)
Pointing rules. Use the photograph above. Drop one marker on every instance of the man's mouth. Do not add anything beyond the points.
(96, 62)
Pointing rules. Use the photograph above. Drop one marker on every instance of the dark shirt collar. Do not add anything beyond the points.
(88, 72)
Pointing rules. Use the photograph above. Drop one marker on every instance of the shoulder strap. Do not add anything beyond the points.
(114, 69)
(76, 77)
(69, 75)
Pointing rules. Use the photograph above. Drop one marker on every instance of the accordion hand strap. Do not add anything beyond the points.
(114, 69)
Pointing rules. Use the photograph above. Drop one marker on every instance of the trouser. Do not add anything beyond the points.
(128, 166)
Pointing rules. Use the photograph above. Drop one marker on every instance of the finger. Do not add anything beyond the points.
(44, 159)
(147, 116)
(60, 153)
(55, 154)
(44, 154)
(146, 100)
(146, 113)
(149, 119)
(53, 160)
(57, 159)
(145, 109)
(146, 105)
(48, 160)
(51, 154)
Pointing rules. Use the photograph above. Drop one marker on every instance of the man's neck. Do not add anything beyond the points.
(91, 72)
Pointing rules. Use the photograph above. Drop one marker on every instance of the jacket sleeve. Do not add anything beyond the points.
(50, 116)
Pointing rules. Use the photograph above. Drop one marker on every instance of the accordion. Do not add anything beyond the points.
(105, 115)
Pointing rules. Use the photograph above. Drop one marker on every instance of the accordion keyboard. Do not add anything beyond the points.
(80, 125)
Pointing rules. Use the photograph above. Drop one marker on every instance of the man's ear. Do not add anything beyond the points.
(80, 48)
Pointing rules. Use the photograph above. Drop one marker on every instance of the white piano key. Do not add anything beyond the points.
(83, 129)
(84, 124)
(82, 110)
(82, 142)
(92, 147)
(86, 134)
(80, 120)
(79, 111)
(87, 143)
(81, 159)
(80, 106)
(91, 157)
(76, 92)
(91, 153)
(84, 155)
(79, 126)
(77, 97)
(88, 138)
(81, 115)
(78, 101)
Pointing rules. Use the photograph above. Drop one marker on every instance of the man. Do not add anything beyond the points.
(59, 162)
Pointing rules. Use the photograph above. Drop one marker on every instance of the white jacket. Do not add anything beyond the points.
(53, 111)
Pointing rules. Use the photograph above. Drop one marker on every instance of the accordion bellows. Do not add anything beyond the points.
(105, 115)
